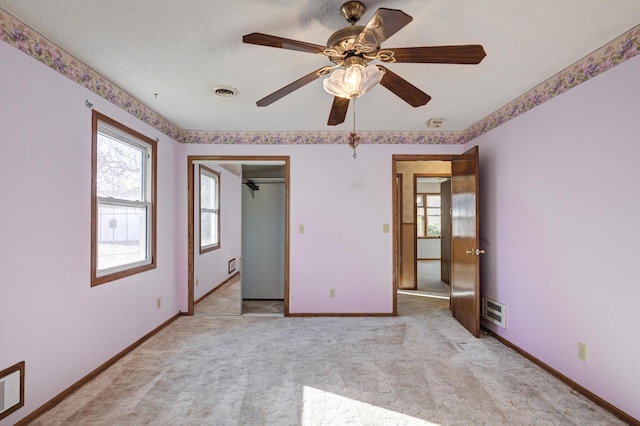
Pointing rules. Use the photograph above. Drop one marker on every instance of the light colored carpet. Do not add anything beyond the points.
(429, 279)
(263, 307)
(420, 368)
(224, 300)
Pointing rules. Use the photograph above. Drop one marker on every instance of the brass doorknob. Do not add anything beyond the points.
(477, 252)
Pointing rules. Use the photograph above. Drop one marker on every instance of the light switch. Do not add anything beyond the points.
(385, 228)
(301, 229)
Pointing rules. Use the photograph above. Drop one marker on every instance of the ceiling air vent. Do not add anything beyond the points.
(225, 91)
(435, 123)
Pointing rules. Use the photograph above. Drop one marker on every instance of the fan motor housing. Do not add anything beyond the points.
(343, 39)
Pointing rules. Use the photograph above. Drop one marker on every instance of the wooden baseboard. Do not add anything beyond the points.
(575, 386)
(86, 379)
(216, 287)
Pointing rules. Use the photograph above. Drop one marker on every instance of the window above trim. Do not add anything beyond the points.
(123, 207)
(209, 209)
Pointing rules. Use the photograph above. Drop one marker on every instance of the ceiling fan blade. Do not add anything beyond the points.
(338, 110)
(281, 93)
(402, 88)
(282, 43)
(382, 25)
(465, 54)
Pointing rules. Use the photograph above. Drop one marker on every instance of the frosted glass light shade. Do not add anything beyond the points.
(352, 82)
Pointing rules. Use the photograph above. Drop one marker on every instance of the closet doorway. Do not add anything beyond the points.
(238, 161)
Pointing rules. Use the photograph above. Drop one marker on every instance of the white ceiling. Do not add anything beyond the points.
(180, 50)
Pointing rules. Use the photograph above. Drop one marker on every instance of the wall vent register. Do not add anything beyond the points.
(494, 312)
(11, 389)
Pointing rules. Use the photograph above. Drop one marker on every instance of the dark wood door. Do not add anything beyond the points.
(465, 254)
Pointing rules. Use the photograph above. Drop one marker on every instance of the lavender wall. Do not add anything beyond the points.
(211, 268)
(559, 217)
(50, 316)
(560, 221)
(343, 204)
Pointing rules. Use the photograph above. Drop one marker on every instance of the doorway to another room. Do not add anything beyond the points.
(417, 235)
(432, 196)
(421, 259)
(251, 259)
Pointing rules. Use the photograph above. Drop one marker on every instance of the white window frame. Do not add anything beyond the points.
(110, 128)
(207, 172)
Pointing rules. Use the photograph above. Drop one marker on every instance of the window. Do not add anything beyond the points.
(209, 209)
(123, 209)
(428, 215)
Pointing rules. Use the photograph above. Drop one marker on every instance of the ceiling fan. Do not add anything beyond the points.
(353, 47)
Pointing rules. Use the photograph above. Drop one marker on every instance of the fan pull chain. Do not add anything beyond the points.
(354, 139)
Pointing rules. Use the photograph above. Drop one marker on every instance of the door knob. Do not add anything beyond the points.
(477, 252)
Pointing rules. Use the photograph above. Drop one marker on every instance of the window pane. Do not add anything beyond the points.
(121, 235)
(434, 225)
(123, 210)
(419, 200)
(120, 169)
(433, 200)
(209, 205)
(207, 192)
(433, 212)
(208, 228)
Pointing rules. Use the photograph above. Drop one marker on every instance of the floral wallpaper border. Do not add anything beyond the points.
(20, 36)
(613, 53)
(314, 138)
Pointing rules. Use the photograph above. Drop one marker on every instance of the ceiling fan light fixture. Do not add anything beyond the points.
(352, 82)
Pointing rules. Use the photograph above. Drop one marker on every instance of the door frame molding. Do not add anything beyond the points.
(397, 235)
(394, 171)
(238, 159)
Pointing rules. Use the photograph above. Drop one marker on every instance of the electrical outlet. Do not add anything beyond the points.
(582, 352)
(197, 282)
(159, 303)
(332, 293)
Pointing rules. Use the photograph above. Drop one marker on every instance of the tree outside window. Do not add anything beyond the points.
(428, 215)
(123, 201)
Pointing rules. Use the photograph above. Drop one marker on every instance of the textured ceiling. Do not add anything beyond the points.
(180, 50)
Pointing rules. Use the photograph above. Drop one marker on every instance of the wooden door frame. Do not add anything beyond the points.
(397, 236)
(191, 159)
(394, 171)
